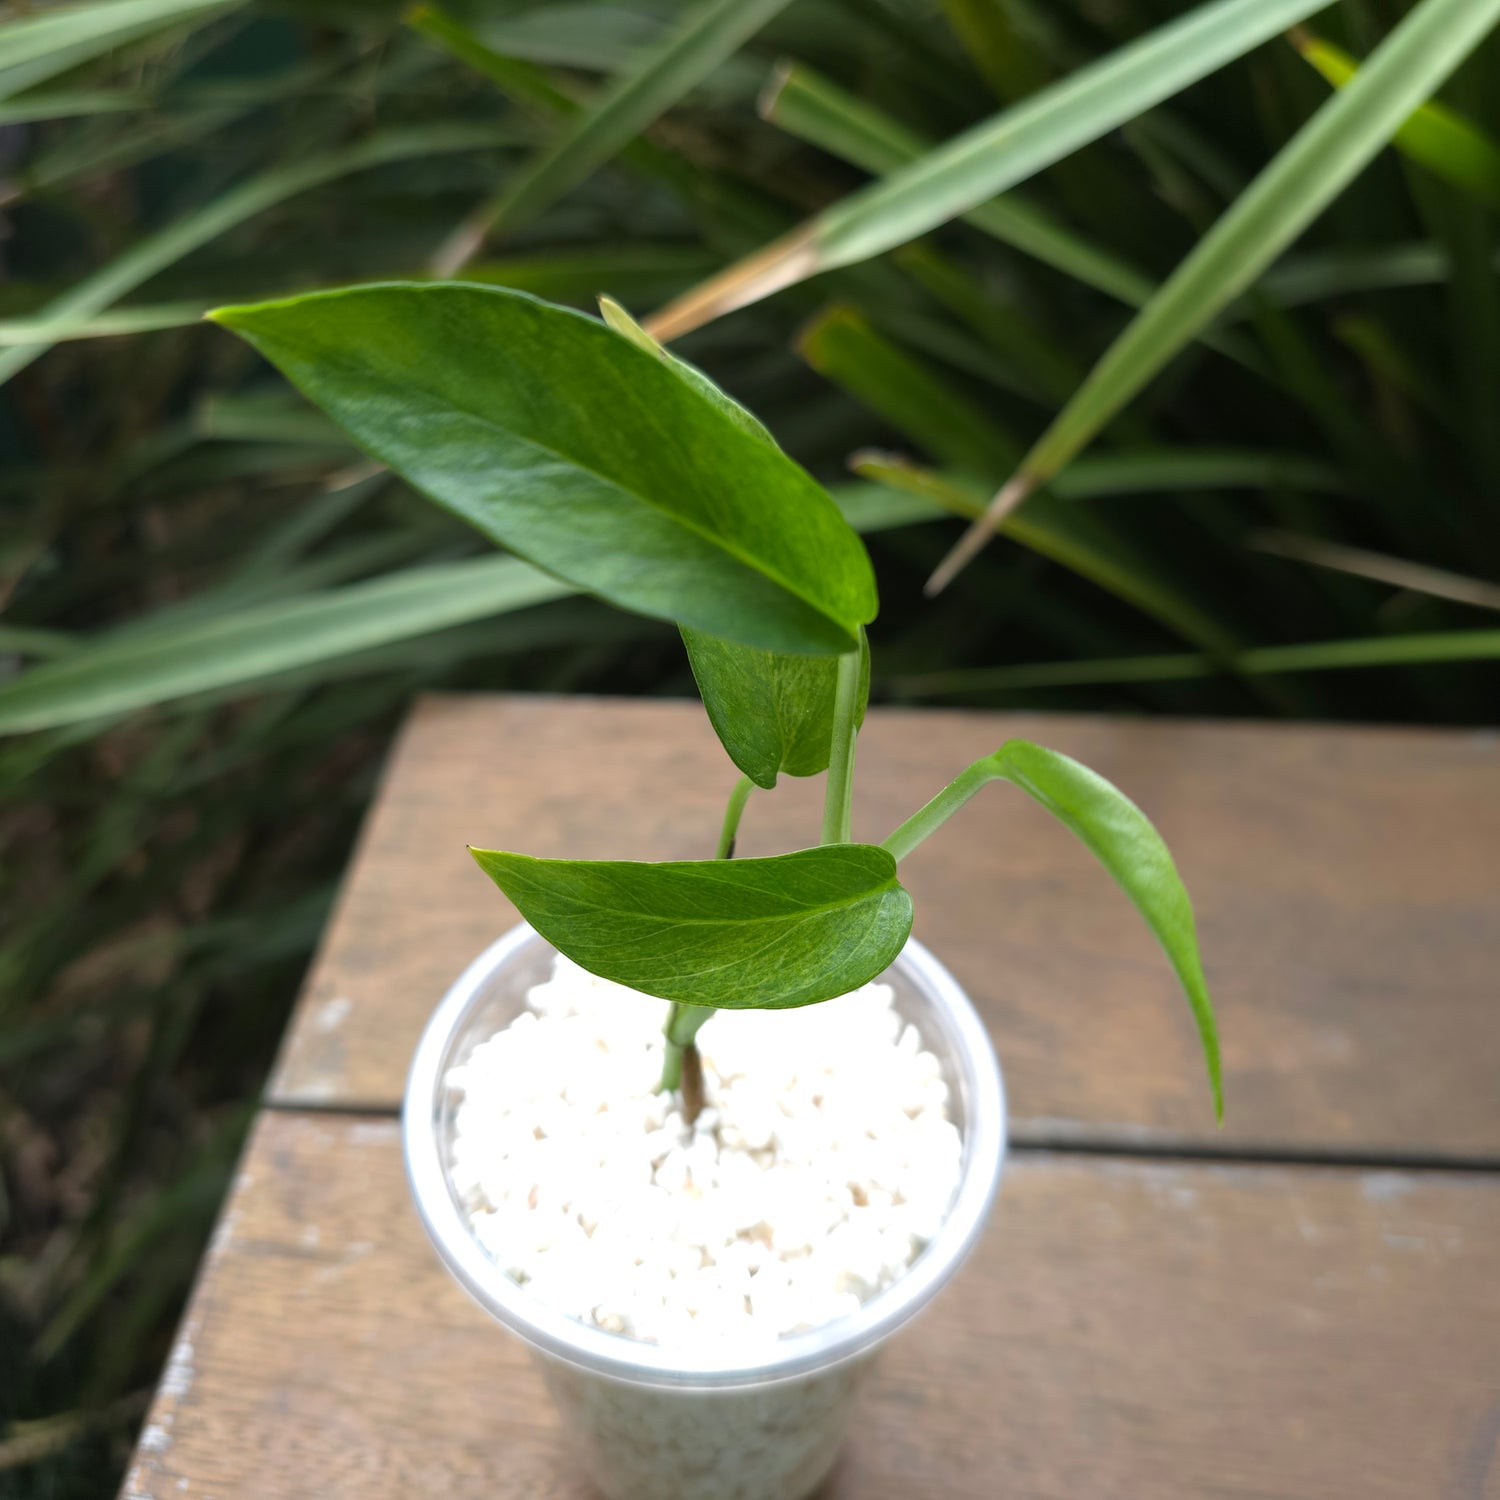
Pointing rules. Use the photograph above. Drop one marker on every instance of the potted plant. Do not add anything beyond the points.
(704, 1233)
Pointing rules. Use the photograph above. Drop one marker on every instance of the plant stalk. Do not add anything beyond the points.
(838, 794)
(681, 1067)
(932, 815)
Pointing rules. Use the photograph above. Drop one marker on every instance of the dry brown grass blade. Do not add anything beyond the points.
(1396, 571)
(782, 263)
(972, 542)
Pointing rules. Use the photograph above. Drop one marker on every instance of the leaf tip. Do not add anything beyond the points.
(775, 84)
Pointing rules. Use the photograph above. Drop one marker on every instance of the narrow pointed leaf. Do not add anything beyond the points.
(735, 934)
(995, 155)
(1118, 834)
(580, 452)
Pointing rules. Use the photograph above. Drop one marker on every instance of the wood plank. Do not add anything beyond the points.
(1126, 1329)
(1347, 880)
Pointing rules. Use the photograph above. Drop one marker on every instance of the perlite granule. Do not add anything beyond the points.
(822, 1163)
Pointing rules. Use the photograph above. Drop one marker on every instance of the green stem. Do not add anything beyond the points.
(732, 815)
(838, 794)
(929, 818)
(684, 1022)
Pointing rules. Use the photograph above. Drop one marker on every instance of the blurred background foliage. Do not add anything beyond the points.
(213, 611)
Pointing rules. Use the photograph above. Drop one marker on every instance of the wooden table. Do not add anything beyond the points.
(1305, 1303)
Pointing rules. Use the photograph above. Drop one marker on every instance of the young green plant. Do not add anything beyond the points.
(586, 450)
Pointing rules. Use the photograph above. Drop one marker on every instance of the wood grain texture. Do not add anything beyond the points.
(1347, 883)
(1151, 1331)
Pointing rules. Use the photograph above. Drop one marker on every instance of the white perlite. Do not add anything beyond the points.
(823, 1161)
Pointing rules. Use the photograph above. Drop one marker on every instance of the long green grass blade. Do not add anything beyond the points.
(1441, 139)
(522, 80)
(995, 155)
(1320, 161)
(114, 677)
(205, 645)
(1312, 656)
(805, 104)
(709, 35)
(22, 331)
(155, 252)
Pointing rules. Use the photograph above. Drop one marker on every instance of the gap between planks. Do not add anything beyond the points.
(1064, 1141)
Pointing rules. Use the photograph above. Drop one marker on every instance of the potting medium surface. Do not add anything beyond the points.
(822, 1163)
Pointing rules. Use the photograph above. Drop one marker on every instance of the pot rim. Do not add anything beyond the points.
(563, 1337)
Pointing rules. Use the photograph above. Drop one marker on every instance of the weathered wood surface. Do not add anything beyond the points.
(1347, 881)
(1152, 1331)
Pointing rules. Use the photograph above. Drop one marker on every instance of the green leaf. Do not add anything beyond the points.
(734, 934)
(1120, 836)
(1441, 139)
(580, 452)
(142, 667)
(1305, 176)
(709, 35)
(772, 712)
(995, 155)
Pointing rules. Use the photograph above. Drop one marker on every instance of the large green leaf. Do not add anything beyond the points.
(995, 155)
(579, 451)
(734, 934)
(708, 35)
(1320, 161)
(1119, 835)
(772, 712)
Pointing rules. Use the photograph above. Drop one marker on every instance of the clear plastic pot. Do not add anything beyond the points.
(657, 1424)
